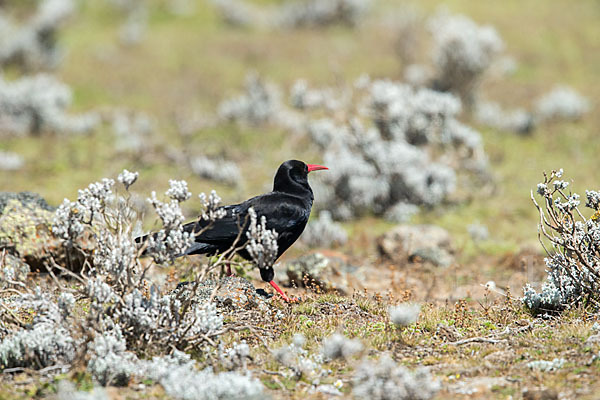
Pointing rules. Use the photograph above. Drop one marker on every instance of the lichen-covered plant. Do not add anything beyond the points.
(573, 262)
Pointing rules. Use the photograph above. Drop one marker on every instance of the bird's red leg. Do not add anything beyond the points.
(272, 283)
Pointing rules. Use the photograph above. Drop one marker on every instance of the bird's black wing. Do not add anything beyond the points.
(220, 229)
(287, 215)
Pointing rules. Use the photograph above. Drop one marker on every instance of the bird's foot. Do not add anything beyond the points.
(227, 271)
(283, 295)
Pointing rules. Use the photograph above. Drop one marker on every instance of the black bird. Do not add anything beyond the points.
(286, 209)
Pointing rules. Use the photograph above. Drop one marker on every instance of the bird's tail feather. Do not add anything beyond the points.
(199, 248)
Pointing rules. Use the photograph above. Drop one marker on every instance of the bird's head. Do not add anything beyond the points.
(293, 173)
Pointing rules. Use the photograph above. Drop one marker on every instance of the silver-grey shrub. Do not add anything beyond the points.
(110, 362)
(385, 380)
(517, 120)
(562, 102)
(217, 170)
(38, 103)
(404, 315)
(324, 232)
(47, 340)
(320, 13)
(462, 53)
(115, 285)
(259, 103)
(10, 161)
(338, 346)
(382, 159)
(179, 377)
(32, 45)
(571, 265)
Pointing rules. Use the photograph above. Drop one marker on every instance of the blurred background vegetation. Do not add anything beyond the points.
(177, 65)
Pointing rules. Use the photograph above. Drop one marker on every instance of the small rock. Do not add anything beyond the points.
(316, 270)
(233, 292)
(27, 199)
(500, 357)
(26, 232)
(449, 333)
(540, 394)
(417, 243)
(435, 256)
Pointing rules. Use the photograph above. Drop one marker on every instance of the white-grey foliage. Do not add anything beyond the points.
(382, 160)
(13, 271)
(259, 104)
(462, 52)
(401, 212)
(96, 197)
(47, 341)
(262, 242)
(176, 373)
(114, 284)
(181, 380)
(217, 170)
(478, 232)
(127, 178)
(10, 161)
(304, 97)
(417, 75)
(404, 315)
(571, 265)
(236, 357)
(299, 360)
(170, 241)
(32, 44)
(294, 14)
(135, 13)
(178, 190)
(237, 13)
(562, 102)
(384, 380)
(546, 366)
(338, 346)
(38, 103)
(491, 114)
(132, 131)
(110, 362)
(319, 13)
(66, 390)
(115, 254)
(211, 206)
(324, 232)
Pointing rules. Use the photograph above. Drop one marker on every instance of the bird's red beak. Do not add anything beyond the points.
(315, 167)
